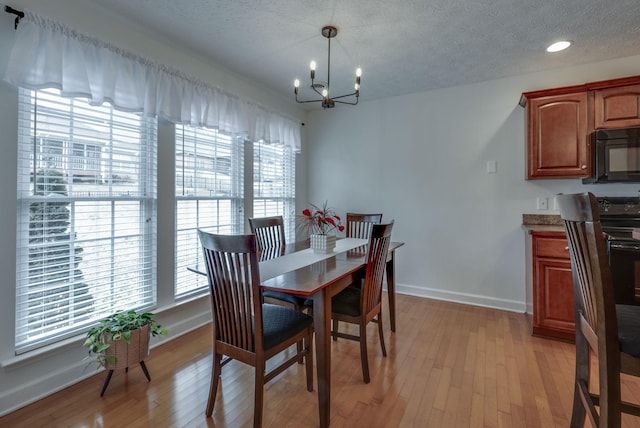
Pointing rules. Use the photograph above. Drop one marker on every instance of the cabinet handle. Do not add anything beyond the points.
(566, 248)
(583, 167)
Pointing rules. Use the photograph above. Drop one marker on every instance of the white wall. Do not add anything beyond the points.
(25, 378)
(421, 160)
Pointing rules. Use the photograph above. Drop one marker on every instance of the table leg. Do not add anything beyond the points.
(322, 326)
(391, 291)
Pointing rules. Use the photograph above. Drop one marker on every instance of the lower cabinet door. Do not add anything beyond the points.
(553, 301)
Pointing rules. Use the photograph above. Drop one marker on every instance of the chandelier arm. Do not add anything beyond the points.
(353, 94)
(314, 86)
(307, 101)
(346, 102)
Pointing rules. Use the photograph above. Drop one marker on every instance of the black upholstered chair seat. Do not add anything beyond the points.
(629, 329)
(347, 302)
(285, 297)
(279, 323)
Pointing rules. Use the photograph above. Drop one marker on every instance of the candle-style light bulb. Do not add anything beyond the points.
(312, 67)
(325, 93)
(358, 74)
(296, 85)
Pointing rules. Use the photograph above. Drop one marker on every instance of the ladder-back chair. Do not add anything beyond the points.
(361, 305)
(244, 328)
(270, 238)
(610, 331)
(359, 225)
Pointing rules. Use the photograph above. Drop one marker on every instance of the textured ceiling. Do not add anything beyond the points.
(402, 46)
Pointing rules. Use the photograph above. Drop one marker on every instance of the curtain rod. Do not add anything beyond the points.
(19, 14)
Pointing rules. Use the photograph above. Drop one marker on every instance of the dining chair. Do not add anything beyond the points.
(361, 305)
(244, 328)
(269, 231)
(611, 331)
(270, 237)
(359, 225)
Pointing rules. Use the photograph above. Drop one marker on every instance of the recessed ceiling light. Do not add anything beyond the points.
(559, 46)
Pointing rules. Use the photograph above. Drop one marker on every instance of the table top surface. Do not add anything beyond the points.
(308, 279)
(295, 269)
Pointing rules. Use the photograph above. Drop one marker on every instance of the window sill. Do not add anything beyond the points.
(76, 341)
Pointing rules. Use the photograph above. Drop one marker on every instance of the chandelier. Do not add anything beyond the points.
(324, 89)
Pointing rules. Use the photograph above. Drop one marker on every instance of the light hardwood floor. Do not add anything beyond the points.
(448, 365)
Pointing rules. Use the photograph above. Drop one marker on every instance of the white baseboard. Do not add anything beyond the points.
(465, 298)
(56, 380)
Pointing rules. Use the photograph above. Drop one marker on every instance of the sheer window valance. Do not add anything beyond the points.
(49, 54)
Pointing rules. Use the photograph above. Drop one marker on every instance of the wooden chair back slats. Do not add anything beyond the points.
(593, 290)
(269, 231)
(272, 253)
(376, 263)
(268, 236)
(234, 280)
(583, 271)
(359, 225)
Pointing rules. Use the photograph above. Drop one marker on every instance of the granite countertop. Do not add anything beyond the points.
(542, 223)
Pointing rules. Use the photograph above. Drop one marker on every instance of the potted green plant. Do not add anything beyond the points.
(121, 340)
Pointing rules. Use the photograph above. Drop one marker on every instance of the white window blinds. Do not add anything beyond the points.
(86, 215)
(209, 195)
(274, 175)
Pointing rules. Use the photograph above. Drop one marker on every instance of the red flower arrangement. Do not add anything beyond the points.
(320, 221)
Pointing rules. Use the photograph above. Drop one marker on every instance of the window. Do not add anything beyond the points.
(209, 195)
(274, 176)
(86, 229)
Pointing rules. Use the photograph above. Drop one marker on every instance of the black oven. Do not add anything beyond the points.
(619, 216)
(624, 262)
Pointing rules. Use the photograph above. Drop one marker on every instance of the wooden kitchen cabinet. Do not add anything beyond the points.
(557, 143)
(617, 107)
(551, 286)
(561, 122)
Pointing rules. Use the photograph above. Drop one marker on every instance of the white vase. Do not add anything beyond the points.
(323, 243)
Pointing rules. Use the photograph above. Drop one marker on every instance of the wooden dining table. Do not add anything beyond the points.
(320, 277)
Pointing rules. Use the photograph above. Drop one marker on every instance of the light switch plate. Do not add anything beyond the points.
(543, 203)
(492, 167)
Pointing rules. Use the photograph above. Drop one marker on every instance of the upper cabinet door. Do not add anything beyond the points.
(557, 143)
(617, 107)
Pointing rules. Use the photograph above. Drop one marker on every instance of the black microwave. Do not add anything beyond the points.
(616, 156)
